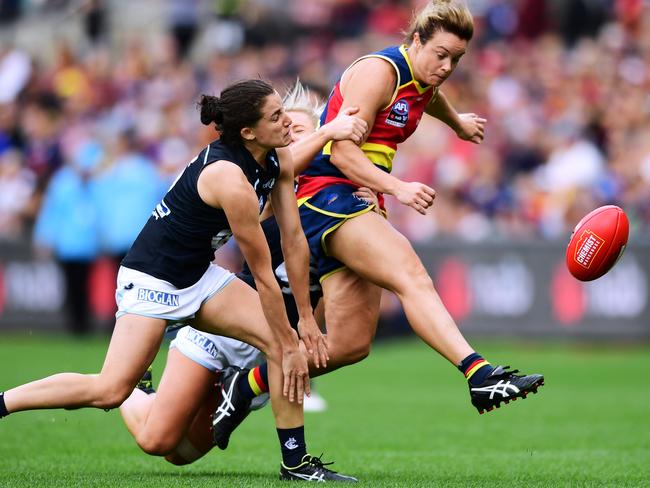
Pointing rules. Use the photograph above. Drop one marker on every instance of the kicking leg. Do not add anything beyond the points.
(389, 261)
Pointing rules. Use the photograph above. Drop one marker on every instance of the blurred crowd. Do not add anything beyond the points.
(92, 134)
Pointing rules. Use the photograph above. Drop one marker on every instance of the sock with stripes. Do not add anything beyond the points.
(475, 368)
(255, 383)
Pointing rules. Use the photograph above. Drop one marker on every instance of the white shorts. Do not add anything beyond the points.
(216, 352)
(142, 294)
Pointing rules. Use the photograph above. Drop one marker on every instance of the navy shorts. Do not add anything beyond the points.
(322, 214)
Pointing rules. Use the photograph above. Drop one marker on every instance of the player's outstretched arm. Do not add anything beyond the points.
(469, 127)
(296, 255)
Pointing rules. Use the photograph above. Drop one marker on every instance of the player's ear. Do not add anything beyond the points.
(247, 134)
(417, 42)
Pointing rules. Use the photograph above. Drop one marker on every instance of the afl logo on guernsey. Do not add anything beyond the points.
(399, 114)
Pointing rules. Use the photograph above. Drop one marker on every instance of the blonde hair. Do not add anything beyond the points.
(442, 15)
(300, 99)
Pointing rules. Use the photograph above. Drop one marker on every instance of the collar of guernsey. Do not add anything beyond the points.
(393, 125)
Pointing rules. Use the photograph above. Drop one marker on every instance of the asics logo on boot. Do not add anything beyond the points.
(317, 476)
(227, 407)
(501, 387)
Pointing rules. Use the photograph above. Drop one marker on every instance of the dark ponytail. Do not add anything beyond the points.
(210, 111)
(239, 106)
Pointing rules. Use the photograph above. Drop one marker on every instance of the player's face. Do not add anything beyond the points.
(272, 130)
(301, 125)
(435, 60)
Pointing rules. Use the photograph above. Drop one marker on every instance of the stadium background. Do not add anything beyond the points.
(97, 114)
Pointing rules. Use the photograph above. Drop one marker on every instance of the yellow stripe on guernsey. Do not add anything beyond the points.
(379, 154)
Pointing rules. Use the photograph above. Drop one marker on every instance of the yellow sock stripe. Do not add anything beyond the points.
(469, 374)
(253, 384)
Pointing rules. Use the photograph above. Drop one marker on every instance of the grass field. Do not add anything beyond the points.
(400, 418)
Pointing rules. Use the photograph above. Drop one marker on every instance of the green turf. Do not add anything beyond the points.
(401, 418)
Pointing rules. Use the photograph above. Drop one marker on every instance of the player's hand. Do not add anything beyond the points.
(415, 195)
(369, 196)
(346, 126)
(472, 128)
(296, 374)
(314, 340)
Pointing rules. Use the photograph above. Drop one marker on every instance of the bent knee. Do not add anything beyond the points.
(349, 353)
(156, 445)
(358, 353)
(413, 278)
(348, 345)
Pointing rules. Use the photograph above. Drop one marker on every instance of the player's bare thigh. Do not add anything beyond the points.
(371, 247)
(235, 311)
(133, 346)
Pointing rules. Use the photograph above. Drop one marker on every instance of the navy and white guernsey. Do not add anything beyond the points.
(178, 241)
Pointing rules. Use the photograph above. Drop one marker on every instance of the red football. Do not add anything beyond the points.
(597, 242)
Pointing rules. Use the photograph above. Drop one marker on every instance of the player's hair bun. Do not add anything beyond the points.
(237, 106)
(210, 110)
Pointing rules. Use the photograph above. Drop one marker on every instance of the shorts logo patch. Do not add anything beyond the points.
(331, 198)
(399, 114)
(156, 296)
(203, 342)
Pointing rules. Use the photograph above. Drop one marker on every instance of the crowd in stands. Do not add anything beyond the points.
(91, 137)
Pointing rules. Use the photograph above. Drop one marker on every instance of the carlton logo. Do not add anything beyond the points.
(587, 248)
(155, 296)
